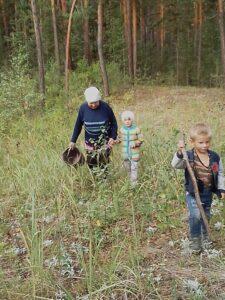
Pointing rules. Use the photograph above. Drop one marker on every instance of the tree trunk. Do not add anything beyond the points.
(222, 36)
(58, 3)
(124, 11)
(161, 30)
(100, 48)
(199, 41)
(16, 23)
(87, 55)
(134, 23)
(142, 26)
(63, 5)
(65, 26)
(129, 38)
(195, 27)
(56, 42)
(68, 45)
(39, 50)
(4, 18)
(177, 58)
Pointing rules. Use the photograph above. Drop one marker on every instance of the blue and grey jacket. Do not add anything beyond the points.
(100, 124)
(215, 164)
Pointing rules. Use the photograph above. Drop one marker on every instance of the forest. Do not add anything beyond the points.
(168, 42)
(67, 233)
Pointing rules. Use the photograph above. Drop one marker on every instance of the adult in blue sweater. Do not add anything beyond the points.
(100, 127)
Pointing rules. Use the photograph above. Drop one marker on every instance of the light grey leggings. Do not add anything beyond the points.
(132, 168)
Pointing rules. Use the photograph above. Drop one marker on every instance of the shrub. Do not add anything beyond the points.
(17, 93)
(85, 76)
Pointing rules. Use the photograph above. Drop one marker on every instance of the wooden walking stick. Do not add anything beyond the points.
(196, 191)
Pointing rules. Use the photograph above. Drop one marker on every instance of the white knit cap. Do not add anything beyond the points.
(127, 115)
(92, 94)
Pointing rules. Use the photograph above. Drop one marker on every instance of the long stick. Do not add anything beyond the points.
(196, 191)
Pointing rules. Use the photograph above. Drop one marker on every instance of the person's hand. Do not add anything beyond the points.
(222, 195)
(180, 146)
(111, 142)
(117, 141)
(72, 145)
(137, 143)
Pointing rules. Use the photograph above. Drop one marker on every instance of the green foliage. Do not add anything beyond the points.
(85, 76)
(117, 79)
(176, 60)
(17, 93)
(114, 46)
(54, 81)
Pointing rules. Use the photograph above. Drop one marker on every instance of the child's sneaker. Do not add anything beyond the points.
(196, 245)
(206, 241)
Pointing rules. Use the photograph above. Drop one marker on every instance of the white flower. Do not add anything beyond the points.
(193, 286)
(171, 243)
(157, 278)
(52, 262)
(19, 251)
(113, 296)
(76, 247)
(66, 263)
(218, 225)
(185, 245)
(48, 219)
(215, 211)
(86, 297)
(215, 202)
(151, 229)
(47, 243)
(60, 295)
(213, 253)
(68, 272)
(150, 269)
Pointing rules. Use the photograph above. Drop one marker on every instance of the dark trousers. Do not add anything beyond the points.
(97, 158)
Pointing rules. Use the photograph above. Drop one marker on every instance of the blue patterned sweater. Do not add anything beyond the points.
(100, 124)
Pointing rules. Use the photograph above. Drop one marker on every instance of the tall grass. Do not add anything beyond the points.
(83, 237)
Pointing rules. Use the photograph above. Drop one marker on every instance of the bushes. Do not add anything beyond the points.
(17, 93)
(85, 76)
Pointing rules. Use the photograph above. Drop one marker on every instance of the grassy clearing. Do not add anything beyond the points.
(66, 235)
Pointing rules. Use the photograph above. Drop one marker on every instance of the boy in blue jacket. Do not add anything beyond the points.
(208, 170)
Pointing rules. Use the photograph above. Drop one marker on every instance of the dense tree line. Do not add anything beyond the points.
(177, 41)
